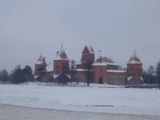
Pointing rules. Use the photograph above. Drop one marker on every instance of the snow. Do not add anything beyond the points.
(111, 63)
(129, 78)
(117, 71)
(91, 50)
(55, 75)
(7, 112)
(134, 62)
(100, 64)
(79, 69)
(96, 98)
(39, 62)
(103, 64)
(59, 57)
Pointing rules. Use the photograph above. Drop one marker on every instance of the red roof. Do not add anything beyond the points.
(61, 54)
(41, 61)
(88, 50)
(104, 59)
(134, 59)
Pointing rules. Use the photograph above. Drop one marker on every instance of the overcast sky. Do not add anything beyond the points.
(116, 27)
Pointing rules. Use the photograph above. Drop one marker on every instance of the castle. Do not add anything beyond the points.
(98, 70)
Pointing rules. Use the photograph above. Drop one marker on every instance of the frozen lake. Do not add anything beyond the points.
(10, 112)
(98, 99)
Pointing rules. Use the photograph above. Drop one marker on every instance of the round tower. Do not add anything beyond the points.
(134, 70)
(61, 63)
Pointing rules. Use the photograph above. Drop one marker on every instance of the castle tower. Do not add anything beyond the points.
(40, 66)
(99, 70)
(134, 70)
(88, 56)
(61, 63)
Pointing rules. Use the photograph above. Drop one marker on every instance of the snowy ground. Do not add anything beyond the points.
(91, 99)
(10, 112)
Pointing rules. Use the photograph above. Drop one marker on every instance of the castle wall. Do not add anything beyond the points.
(99, 74)
(81, 75)
(116, 78)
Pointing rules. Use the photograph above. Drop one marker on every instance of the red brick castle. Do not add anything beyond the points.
(103, 69)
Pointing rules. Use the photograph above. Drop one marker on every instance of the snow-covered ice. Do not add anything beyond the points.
(91, 99)
(7, 112)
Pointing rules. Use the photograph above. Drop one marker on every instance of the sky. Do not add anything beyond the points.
(116, 27)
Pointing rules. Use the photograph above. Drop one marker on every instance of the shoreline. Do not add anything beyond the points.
(7, 112)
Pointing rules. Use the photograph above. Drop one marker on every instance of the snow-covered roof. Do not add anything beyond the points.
(81, 69)
(111, 64)
(91, 50)
(88, 49)
(103, 61)
(134, 62)
(116, 71)
(41, 61)
(99, 64)
(134, 59)
(61, 55)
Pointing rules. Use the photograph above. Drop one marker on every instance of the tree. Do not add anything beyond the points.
(158, 73)
(17, 76)
(4, 76)
(88, 73)
(27, 72)
(72, 69)
(150, 75)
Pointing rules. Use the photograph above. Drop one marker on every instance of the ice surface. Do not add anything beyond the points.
(96, 98)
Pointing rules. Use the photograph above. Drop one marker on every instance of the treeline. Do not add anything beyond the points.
(22, 75)
(17, 76)
(152, 75)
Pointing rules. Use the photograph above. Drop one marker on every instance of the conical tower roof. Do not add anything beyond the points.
(134, 59)
(61, 54)
(41, 60)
